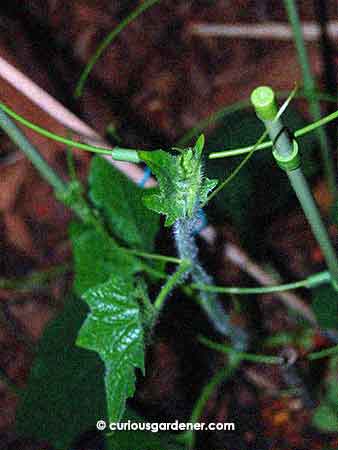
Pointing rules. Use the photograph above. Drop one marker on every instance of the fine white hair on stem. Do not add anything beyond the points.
(187, 249)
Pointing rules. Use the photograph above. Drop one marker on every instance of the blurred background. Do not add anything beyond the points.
(162, 75)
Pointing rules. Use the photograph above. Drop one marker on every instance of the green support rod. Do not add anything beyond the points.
(309, 89)
(32, 154)
(287, 157)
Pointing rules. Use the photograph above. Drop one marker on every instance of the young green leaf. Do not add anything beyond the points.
(113, 329)
(65, 395)
(182, 186)
(120, 201)
(96, 257)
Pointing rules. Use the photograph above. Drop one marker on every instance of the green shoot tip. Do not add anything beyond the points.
(200, 143)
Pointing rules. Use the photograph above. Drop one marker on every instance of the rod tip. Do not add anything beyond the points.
(264, 102)
(125, 154)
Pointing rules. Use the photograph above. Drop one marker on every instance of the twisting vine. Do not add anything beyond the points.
(187, 249)
(182, 191)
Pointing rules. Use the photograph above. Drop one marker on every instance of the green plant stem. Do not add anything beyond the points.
(264, 359)
(310, 282)
(265, 145)
(323, 353)
(61, 188)
(238, 106)
(317, 124)
(70, 194)
(309, 88)
(199, 406)
(118, 153)
(312, 214)
(153, 256)
(108, 40)
(153, 272)
(71, 161)
(207, 391)
(311, 211)
(235, 171)
(53, 136)
(246, 159)
(123, 154)
(171, 282)
(34, 156)
(187, 249)
(263, 99)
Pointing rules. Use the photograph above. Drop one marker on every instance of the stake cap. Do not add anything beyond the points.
(288, 162)
(125, 154)
(264, 102)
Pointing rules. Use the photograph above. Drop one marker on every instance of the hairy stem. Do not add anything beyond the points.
(171, 282)
(187, 250)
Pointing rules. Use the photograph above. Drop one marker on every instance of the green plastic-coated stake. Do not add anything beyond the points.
(287, 157)
(309, 88)
(264, 100)
(125, 154)
(17, 136)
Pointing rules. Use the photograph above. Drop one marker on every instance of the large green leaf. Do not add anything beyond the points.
(65, 395)
(326, 414)
(326, 418)
(325, 306)
(120, 201)
(96, 257)
(182, 186)
(113, 329)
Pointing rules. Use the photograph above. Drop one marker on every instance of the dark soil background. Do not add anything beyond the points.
(153, 84)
